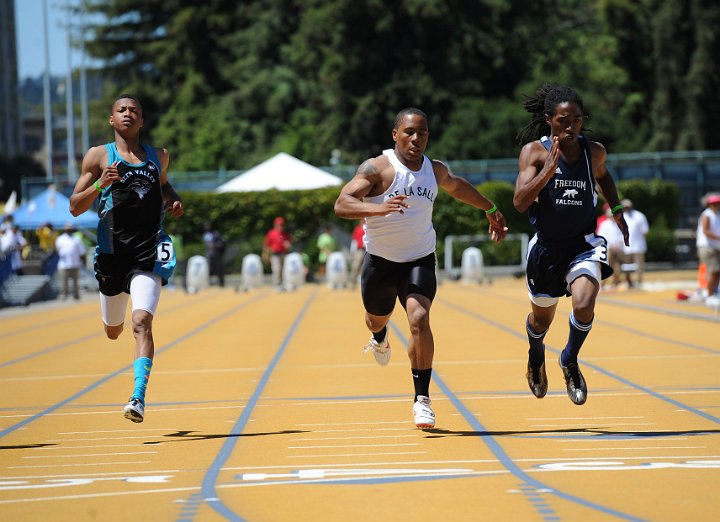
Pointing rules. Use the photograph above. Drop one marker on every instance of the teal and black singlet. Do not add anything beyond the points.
(131, 209)
(130, 228)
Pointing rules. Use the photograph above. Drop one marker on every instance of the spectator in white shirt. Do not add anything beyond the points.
(638, 228)
(12, 243)
(708, 242)
(615, 244)
(70, 252)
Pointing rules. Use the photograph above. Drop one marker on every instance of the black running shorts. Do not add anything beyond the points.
(114, 272)
(383, 281)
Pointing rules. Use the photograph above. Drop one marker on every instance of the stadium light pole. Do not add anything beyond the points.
(83, 82)
(46, 99)
(69, 109)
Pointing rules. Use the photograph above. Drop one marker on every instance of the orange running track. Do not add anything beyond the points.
(262, 407)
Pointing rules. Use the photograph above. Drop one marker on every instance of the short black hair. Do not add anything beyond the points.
(124, 96)
(409, 110)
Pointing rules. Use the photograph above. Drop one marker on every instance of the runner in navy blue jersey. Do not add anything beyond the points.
(558, 170)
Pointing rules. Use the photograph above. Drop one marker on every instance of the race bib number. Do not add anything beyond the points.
(599, 251)
(164, 251)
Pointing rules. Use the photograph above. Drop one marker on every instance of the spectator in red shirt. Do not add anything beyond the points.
(277, 243)
(357, 251)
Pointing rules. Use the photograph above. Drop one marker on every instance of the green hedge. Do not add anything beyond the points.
(243, 218)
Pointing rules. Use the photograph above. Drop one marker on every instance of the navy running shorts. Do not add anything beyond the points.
(549, 263)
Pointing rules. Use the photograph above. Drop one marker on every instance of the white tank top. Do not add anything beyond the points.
(704, 241)
(408, 236)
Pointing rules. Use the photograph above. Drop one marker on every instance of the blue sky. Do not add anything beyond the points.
(30, 45)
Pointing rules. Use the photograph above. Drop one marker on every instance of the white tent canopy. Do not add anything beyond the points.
(282, 172)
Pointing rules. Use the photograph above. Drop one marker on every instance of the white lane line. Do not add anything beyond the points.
(343, 465)
(580, 418)
(359, 401)
(355, 430)
(374, 423)
(94, 446)
(133, 463)
(115, 431)
(182, 409)
(636, 449)
(351, 438)
(584, 426)
(109, 474)
(600, 394)
(355, 455)
(332, 446)
(101, 438)
(640, 438)
(100, 495)
(160, 372)
(85, 455)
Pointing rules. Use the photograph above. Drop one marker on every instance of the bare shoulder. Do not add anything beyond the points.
(440, 169)
(533, 152)
(374, 167)
(96, 156)
(597, 150)
(533, 147)
(439, 165)
(163, 156)
(162, 153)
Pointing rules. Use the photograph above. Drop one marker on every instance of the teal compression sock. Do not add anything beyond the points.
(142, 367)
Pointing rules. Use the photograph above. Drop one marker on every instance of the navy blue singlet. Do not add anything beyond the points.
(565, 207)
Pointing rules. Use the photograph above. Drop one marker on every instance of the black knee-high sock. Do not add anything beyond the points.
(379, 336)
(576, 338)
(536, 353)
(421, 380)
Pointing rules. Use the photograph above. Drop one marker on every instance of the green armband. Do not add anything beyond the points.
(491, 210)
(616, 209)
(97, 186)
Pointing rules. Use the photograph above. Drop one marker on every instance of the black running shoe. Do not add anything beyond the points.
(575, 382)
(537, 380)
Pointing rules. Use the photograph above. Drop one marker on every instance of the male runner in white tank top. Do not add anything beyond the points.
(395, 193)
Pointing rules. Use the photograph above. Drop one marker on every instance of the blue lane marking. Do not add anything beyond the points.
(595, 367)
(629, 329)
(661, 339)
(51, 349)
(97, 383)
(211, 477)
(70, 342)
(506, 461)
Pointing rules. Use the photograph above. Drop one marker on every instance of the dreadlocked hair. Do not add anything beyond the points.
(541, 105)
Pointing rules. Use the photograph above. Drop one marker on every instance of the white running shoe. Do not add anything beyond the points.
(424, 416)
(135, 410)
(381, 350)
